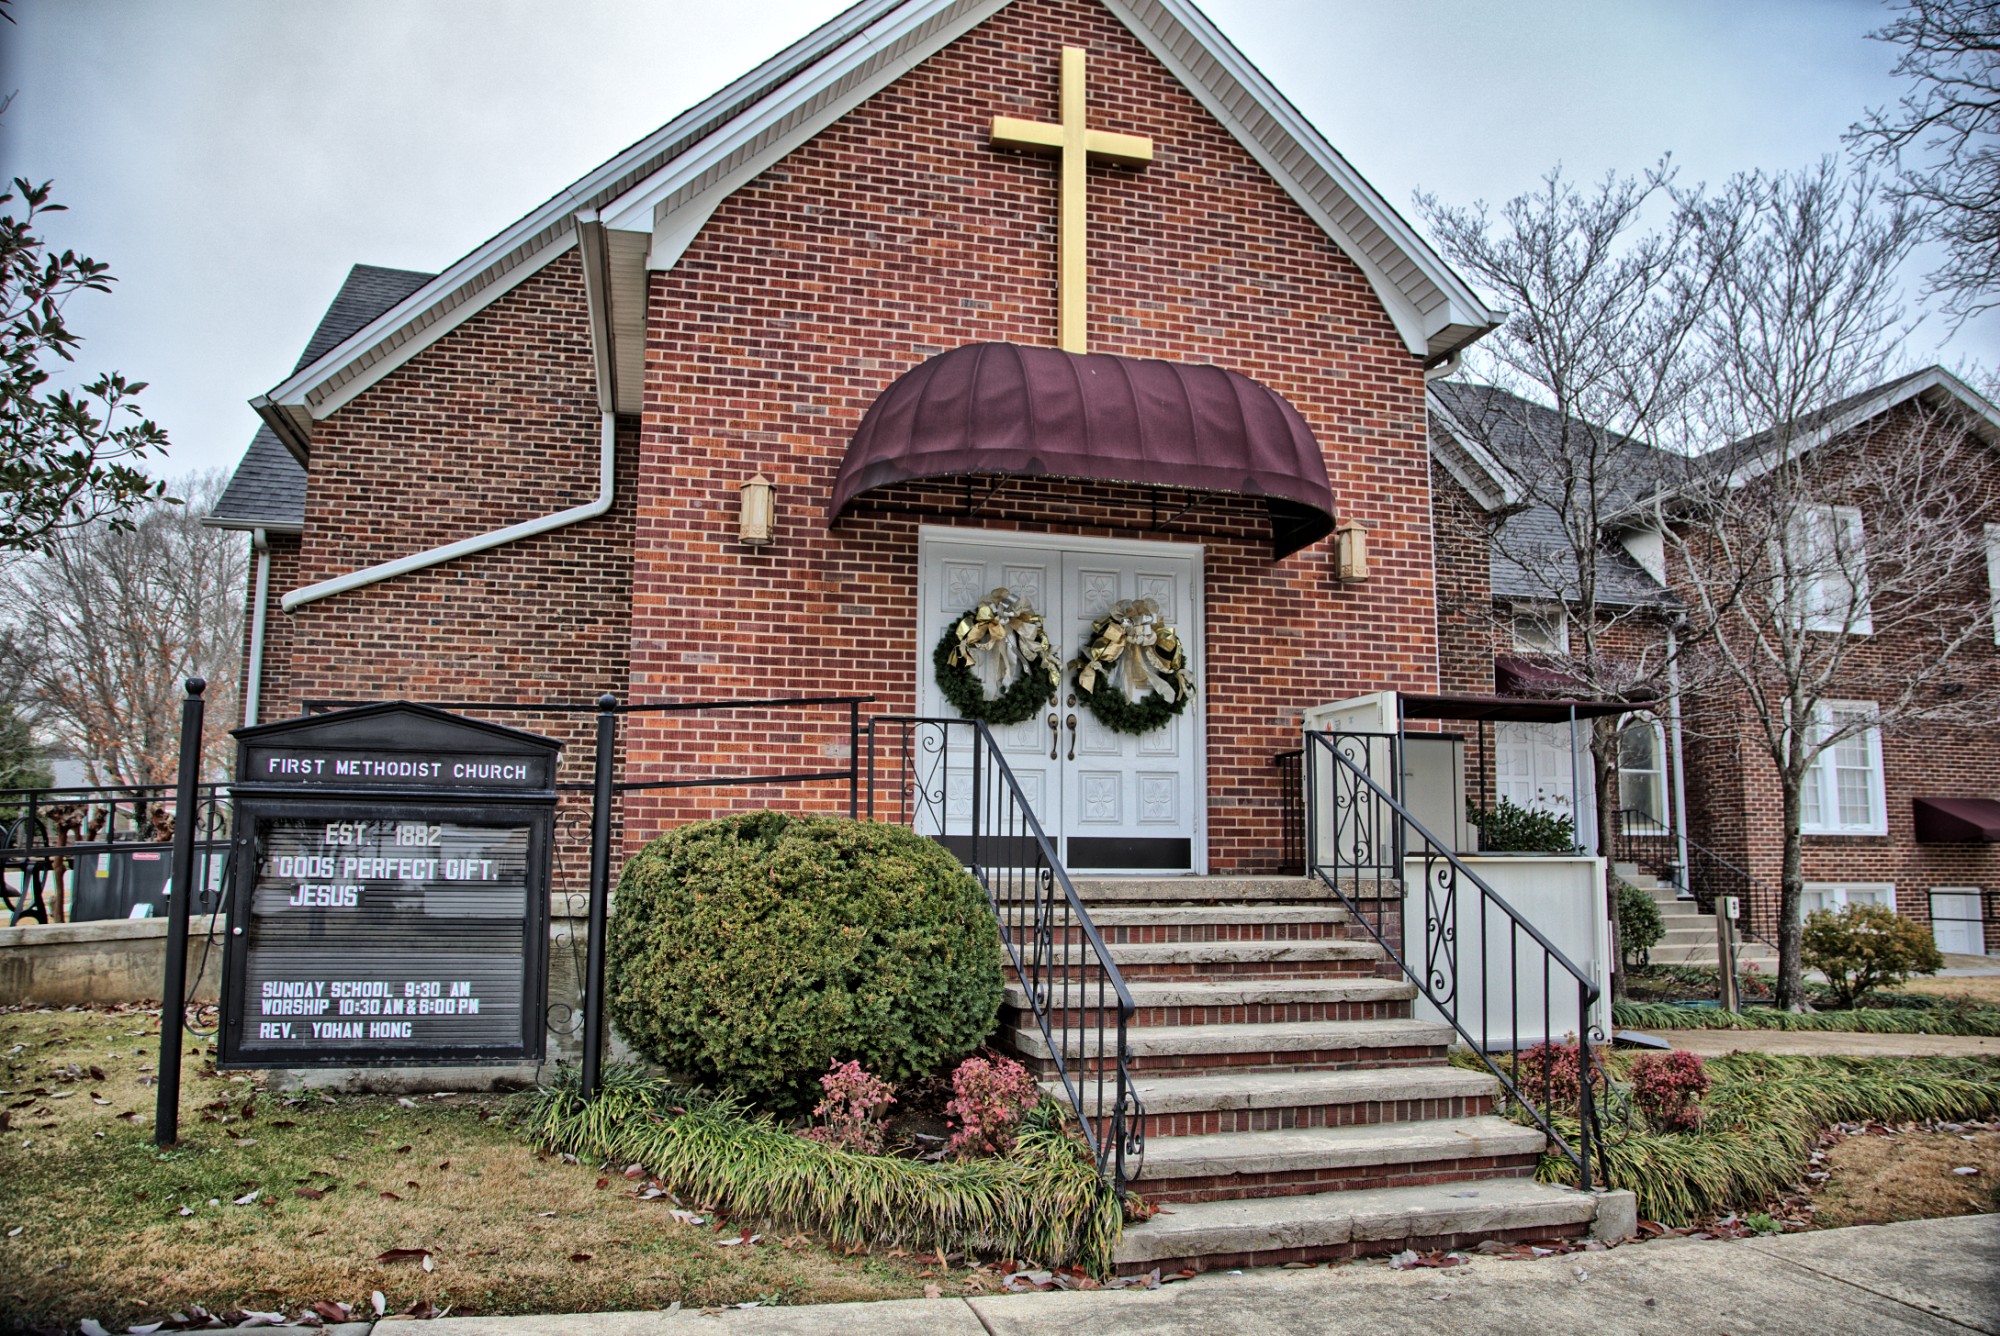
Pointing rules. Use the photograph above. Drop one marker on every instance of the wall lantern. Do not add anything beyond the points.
(1350, 551)
(754, 523)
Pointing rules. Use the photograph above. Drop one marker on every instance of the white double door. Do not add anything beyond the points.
(1112, 802)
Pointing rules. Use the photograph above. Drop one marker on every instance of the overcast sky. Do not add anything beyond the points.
(231, 158)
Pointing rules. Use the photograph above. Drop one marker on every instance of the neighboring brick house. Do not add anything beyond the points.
(1874, 831)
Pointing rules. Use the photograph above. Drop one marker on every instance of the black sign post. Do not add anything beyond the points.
(173, 991)
(392, 892)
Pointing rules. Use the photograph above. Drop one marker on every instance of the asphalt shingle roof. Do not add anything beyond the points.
(268, 488)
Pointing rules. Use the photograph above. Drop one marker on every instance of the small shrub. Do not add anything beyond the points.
(1668, 1088)
(754, 951)
(989, 1099)
(1547, 1075)
(1861, 947)
(1509, 828)
(851, 1113)
(1639, 924)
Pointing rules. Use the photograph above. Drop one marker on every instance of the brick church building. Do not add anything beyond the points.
(1164, 362)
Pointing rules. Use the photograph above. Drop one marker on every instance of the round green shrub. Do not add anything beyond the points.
(754, 951)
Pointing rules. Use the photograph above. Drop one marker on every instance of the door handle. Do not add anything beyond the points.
(1055, 735)
(1072, 737)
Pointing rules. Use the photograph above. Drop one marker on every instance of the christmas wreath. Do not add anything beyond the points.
(997, 663)
(1133, 674)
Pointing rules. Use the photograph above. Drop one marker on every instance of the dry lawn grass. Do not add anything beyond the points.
(1878, 1179)
(91, 1222)
(1983, 989)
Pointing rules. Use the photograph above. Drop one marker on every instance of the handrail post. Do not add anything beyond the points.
(853, 760)
(600, 893)
(173, 991)
(1586, 1110)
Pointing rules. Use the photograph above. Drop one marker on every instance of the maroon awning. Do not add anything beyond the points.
(1000, 409)
(1508, 709)
(1957, 820)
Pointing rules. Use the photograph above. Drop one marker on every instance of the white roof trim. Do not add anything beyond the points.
(679, 175)
(1477, 469)
(1895, 393)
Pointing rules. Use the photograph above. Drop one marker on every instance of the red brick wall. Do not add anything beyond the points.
(900, 233)
(1465, 611)
(1733, 784)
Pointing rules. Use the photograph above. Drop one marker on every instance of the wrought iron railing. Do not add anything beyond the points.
(948, 779)
(1291, 812)
(1646, 841)
(1361, 841)
(45, 834)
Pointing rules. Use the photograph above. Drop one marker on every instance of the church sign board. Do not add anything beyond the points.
(391, 891)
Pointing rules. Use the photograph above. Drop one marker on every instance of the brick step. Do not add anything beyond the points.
(1294, 1161)
(1211, 1048)
(1235, 1002)
(1319, 1227)
(1256, 1101)
(1168, 959)
(1095, 891)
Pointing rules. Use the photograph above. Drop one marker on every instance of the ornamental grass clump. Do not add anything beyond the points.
(989, 1100)
(752, 952)
(1046, 1203)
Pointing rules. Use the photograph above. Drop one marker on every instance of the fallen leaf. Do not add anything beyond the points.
(379, 1304)
(332, 1310)
(403, 1150)
(403, 1255)
(187, 1210)
(310, 1194)
(603, 1183)
(407, 1103)
(388, 1196)
(247, 1199)
(933, 1291)
(579, 1257)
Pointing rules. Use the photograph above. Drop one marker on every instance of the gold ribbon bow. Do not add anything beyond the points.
(1137, 651)
(1001, 639)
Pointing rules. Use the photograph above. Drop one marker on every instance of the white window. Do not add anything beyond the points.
(1957, 923)
(1837, 895)
(1642, 775)
(1541, 630)
(1844, 791)
(1993, 576)
(1826, 553)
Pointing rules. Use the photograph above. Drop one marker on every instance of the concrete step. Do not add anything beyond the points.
(1153, 960)
(1255, 1101)
(1094, 891)
(1294, 1161)
(1317, 1227)
(1299, 1044)
(1239, 1000)
(1138, 924)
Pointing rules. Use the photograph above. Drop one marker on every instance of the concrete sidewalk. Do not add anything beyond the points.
(1832, 1043)
(1923, 1276)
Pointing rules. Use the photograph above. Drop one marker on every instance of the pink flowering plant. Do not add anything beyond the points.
(1668, 1088)
(989, 1099)
(851, 1111)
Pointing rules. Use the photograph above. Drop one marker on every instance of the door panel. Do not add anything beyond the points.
(1113, 802)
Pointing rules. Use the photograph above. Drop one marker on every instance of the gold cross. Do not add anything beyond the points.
(1074, 145)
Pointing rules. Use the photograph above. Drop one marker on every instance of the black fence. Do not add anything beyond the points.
(104, 852)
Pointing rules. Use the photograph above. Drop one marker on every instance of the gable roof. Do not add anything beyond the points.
(268, 489)
(651, 200)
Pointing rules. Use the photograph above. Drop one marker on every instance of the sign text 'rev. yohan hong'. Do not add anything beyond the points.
(391, 890)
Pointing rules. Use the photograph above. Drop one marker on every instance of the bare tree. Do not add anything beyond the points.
(1943, 140)
(1594, 360)
(1830, 549)
(112, 621)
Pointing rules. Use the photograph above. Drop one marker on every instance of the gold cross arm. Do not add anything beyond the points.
(1074, 143)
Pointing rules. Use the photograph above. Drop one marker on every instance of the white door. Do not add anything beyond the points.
(1536, 766)
(1957, 925)
(1113, 802)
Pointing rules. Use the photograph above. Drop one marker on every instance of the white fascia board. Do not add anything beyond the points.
(535, 239)
(675, 202)
(1478, 470)
(1932, 379)
(1421, 293)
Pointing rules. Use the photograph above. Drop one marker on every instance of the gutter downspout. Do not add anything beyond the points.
(253, 686)
(1680, 775)
(1444, 368)
(590, 236)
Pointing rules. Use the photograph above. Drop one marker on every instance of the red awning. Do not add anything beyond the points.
(1508, 709)
(1000, 409)
(1957, 820)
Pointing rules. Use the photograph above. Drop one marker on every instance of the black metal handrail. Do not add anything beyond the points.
(1366, 846)
(1709, 875)
(1291, 812)
(967, 797)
